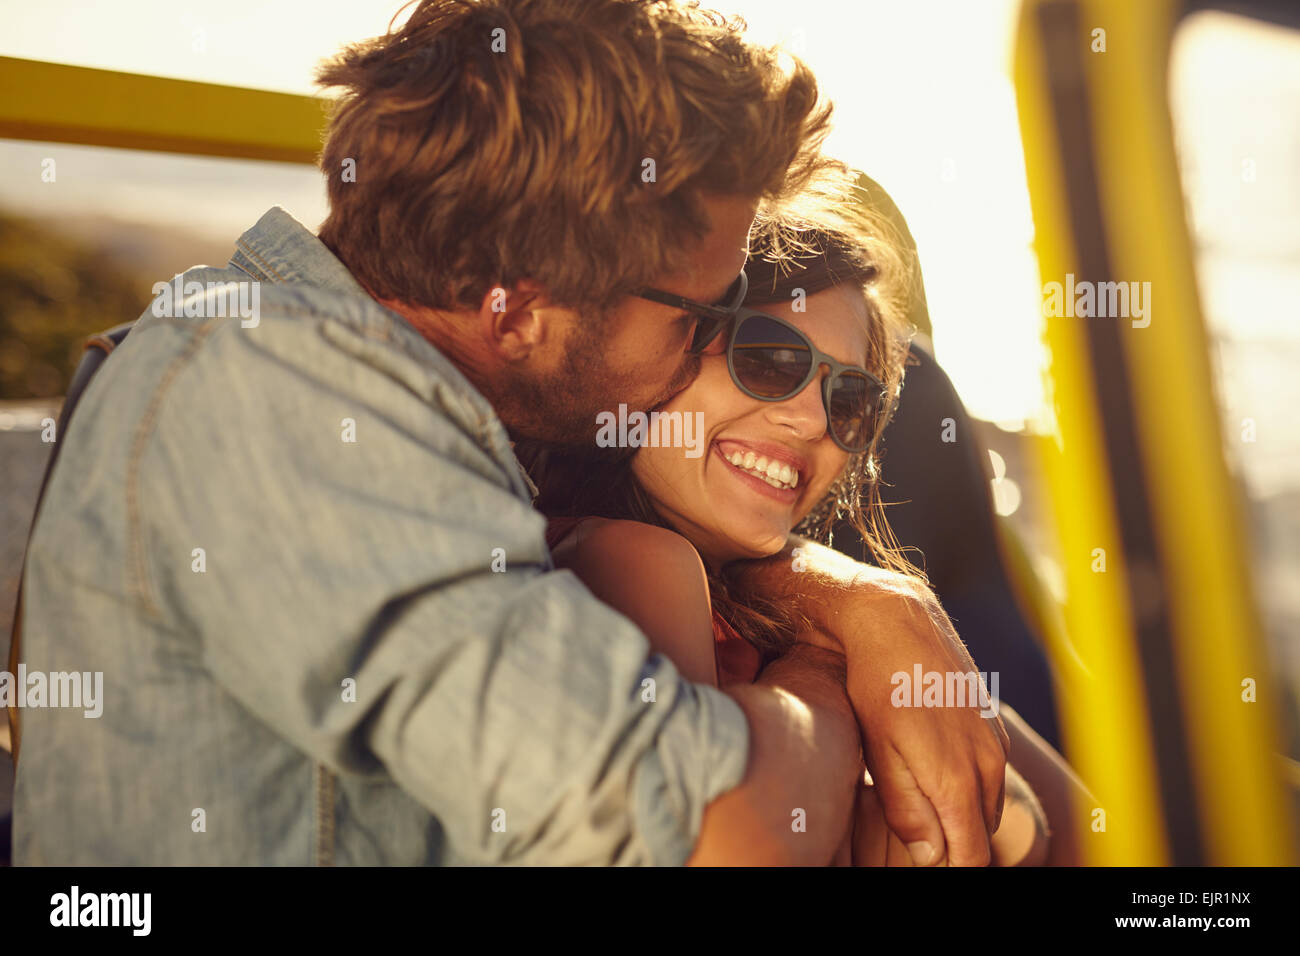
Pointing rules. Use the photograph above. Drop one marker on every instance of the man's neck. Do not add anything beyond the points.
(446, 332)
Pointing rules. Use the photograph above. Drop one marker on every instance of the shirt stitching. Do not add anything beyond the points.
(138, 583)
(324, 816)
(260, 262)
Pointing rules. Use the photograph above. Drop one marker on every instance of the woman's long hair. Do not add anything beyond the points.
(857, 254)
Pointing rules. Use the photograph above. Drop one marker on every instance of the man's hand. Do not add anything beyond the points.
(939, 771)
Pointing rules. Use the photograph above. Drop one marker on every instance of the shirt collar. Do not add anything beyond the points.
(278, 248)
(528, 479)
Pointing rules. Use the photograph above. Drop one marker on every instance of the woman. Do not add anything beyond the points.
(793, 400)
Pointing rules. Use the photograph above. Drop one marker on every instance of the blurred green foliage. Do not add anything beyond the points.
(54, 292)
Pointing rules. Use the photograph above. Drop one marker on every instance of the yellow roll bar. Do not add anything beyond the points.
(72, 104)
(1159, 603)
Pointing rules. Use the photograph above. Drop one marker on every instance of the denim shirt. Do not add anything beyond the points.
(303, 556)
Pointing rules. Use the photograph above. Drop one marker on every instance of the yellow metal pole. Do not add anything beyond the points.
(1105, 723)
(1159, 601)
(1230, 705)
(71, 104)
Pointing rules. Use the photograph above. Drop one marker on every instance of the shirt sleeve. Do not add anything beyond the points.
(374, 590)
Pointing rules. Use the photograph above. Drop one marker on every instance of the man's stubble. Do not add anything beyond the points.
(561, 407)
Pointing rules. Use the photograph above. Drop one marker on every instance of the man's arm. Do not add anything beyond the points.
(939, 771)
(804, 762)
(383, 605)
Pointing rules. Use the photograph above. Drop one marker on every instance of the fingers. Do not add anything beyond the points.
(871, 835)
(971, 809)
(990, 764)
(944, 814)
(940, 774)
(993, 809)
(1000, 732)
(961, 812)
(908, 810)
(992, 768)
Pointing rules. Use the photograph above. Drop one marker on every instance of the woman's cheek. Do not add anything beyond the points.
(827, 472)
(814, 495)
(657, 471)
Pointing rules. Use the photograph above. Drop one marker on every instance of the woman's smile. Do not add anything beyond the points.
(769, 474)
(779, 467)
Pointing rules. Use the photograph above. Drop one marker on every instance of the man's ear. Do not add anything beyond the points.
(514, 321)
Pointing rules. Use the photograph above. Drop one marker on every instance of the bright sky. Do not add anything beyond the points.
(924, 104)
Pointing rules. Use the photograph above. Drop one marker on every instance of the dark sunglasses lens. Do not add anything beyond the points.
(770, 360)
(854, 403)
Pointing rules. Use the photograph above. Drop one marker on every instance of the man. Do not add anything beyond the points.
(300, 550)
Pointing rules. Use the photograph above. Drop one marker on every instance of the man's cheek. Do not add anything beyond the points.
(689, 372)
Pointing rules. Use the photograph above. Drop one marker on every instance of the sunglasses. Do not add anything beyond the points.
(709, 319)
(771, 360)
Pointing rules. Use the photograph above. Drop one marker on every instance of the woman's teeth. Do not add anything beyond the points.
(775, 473)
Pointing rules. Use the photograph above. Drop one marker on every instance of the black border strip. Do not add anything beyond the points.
(1063, 43)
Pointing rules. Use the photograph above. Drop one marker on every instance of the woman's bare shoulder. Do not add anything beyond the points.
(637, 548)
(606, 532)
(654, 576)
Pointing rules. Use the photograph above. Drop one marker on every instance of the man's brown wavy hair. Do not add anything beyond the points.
(496, 140)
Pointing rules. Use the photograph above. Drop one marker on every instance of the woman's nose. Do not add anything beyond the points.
(804, 413)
